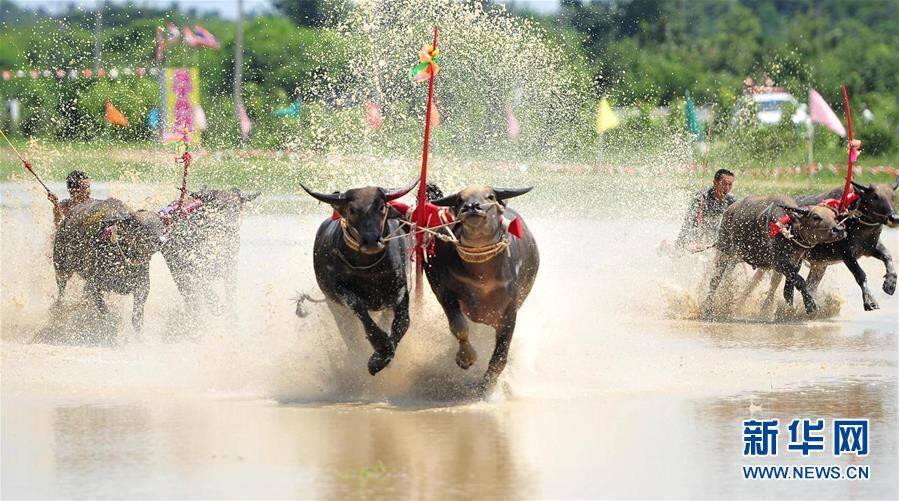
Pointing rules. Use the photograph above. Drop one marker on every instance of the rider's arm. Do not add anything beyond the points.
(691, 221)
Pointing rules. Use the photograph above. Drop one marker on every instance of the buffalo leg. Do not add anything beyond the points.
(794, 279)
(753, 282)
(504, 330)
(815, 275)
(466, 356)
(400, 320)
(889, 280)
(346, 325)
(137, 309)
(62, 278)
(862, 281)
(380, 342)
(724, 263)
(93, 291)
(772, 291)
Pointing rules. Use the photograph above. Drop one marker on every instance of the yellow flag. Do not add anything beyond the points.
(605, 119)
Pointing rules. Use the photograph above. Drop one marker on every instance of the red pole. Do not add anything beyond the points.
(421, 220)
(844, 199)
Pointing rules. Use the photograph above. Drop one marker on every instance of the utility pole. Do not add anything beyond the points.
(238, 66)
(98, 30)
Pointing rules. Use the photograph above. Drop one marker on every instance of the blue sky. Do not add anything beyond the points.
(228, 8)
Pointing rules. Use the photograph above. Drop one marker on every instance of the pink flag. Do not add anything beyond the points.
(373, 115)
(205, 38)
(512, 126)
(245, 123)
(820, 112)
(189, 38)
(172, 33)
(199, 117)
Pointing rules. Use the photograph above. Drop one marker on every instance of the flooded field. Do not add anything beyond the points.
(611, 390)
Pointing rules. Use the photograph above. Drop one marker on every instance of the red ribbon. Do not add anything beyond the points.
(774, 228)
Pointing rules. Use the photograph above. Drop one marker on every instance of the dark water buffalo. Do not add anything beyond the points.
(355, 267)
(203, 246)
(487, 275)
(745, 235)
(110, 246)
(870, 211)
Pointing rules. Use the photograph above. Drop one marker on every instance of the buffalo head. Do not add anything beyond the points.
(138, 234)
(876, 202)
(816, 225)
(480, 209)
(365, 211)
(220, 210)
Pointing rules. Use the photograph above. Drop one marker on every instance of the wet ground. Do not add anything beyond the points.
(611, 391)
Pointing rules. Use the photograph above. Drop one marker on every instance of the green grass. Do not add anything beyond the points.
(572, 190)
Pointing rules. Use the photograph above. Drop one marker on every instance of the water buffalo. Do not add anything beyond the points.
(110, 246)
(869, 212)
(486, 274)
(747, 235)
(357, 268)
(203, 246)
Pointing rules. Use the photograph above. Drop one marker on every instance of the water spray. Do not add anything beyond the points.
(25, 162)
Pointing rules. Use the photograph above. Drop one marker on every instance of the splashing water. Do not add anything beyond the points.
(491, 62)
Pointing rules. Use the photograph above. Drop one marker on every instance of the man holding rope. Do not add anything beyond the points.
(79, 186)
(704, 215)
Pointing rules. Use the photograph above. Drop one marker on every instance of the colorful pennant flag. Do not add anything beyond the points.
(245, 124)
(292, 110)
(605, 118)
(153, 119)
(513, 129)
(175, 137)
(205, 38)
(373, 115)
(820, 112)
(173, 34)
(429, 64)
(189, 38)
(692, 121)
(435, 114)
(199, 116)
(114, 116)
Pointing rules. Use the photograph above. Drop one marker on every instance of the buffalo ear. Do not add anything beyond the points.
(450, 201)
(506, 193)
(244, 198)
(862, 188)
(336, 199)
(398, 192)
(896, 184)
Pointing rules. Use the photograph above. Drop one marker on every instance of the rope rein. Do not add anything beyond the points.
(442, 231)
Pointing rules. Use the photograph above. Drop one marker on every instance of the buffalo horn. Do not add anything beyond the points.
(336, 198)
(449, 201)
(397, 193)
(506, 193)
(244, 198)
(802, 211)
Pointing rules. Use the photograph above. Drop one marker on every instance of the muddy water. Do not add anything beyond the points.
(611, 391)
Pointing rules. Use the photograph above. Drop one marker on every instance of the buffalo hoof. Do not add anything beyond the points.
(871, 305)
(889, 284)
(378, 361)
(811, 307)
(466, 355)
(485, 387)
